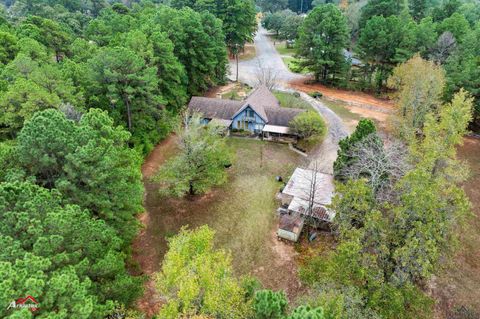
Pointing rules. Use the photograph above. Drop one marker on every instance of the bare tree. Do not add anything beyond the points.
(382, 165)
(266, 76)
(446, 43)
(70, 112)
(313, 189)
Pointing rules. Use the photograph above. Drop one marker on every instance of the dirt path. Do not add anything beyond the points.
(143, 251)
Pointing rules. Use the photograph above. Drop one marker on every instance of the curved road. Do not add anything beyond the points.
(269, 60)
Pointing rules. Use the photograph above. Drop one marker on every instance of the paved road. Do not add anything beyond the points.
(268, 60)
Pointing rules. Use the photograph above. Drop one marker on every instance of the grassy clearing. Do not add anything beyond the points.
(283, 50)
(242, 212)
(291, 101)
(341, 110)
(292, 64)
(237, 92)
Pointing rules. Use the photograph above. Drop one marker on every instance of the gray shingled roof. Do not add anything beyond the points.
(262, 101)
(281, 116)
(214, 108)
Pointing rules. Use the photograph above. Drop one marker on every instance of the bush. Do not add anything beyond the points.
(308, 124)
(270, 304)
(316, 94)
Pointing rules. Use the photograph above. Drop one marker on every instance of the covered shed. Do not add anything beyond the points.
(290, 227)
(306, 197)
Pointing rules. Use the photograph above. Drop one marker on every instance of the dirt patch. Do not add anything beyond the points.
(352, 98)
(285, 266)
(248, 53)
(144, 252)
(231, 90)
(159, 155)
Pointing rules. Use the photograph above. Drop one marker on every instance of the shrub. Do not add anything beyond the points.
(308, 124)
(316, 94)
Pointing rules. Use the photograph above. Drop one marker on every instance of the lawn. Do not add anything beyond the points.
(242, 212)
(292, 65)
(237, 91)
(290, 100)
(283, 50)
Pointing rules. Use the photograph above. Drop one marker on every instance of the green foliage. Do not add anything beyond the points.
(462, 70)
(207, 66)
(305, 312)
(57, 253)
(89, 162)
(385, 250)
(308, 124)
(270, 304)
(380, 8)
(48, 32)
(238, 18)
(419, 85)
(22, 99)
(364, 128)
(456, 24)
(8, 47)
(122, 81)
(322, 39)
(272, 5)
(198, 280)
(201, 162)
(378, 39)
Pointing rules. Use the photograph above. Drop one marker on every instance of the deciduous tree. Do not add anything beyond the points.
(419, 86)
(200, 163)
(308, 124)
(198, 280)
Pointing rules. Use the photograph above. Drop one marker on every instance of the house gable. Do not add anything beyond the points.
(248, 115)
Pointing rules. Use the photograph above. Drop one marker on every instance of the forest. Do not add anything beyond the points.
(88, 88)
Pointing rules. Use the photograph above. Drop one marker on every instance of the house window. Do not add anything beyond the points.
(251, 113)
(238, 124)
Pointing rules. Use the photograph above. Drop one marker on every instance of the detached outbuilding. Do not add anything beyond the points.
(306, 197)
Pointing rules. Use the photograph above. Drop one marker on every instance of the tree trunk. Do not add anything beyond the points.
(191, 191)
(129, 113)
(236, 58)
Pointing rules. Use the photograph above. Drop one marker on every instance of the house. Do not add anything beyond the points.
(306, 197)
(260, 114)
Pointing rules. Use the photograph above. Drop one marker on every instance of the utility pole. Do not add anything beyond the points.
(301, 6)
(236, 58)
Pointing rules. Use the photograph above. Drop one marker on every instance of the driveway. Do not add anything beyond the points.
(269, 60)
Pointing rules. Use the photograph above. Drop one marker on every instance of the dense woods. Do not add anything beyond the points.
(87, 88)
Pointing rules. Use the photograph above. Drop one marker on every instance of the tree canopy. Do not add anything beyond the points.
(322, 38)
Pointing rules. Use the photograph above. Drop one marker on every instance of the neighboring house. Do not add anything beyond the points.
(260, 114)
(305, 198)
